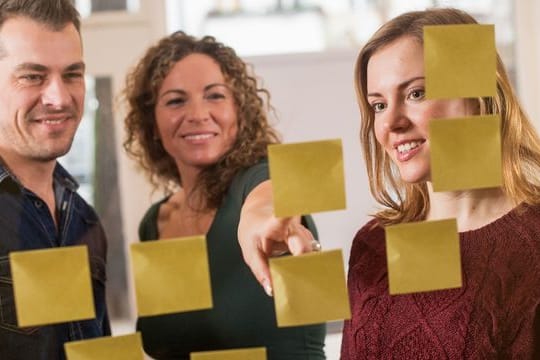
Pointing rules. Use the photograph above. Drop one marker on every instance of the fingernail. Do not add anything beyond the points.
(267, 287)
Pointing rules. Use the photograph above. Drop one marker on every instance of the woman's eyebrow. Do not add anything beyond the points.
(401, 86)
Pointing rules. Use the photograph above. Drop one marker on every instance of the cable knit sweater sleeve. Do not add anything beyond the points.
(494, 315)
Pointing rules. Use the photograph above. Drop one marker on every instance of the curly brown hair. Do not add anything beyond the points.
(252, 104)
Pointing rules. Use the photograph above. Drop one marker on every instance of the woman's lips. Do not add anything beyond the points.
(406, 150)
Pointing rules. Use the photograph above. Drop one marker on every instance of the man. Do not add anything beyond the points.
(41, 103)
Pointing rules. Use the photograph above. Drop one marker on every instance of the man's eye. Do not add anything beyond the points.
(31, 79)
(378, 107)
(74, 75)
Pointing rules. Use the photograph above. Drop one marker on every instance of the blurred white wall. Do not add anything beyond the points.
(527, 16)
(314, 97)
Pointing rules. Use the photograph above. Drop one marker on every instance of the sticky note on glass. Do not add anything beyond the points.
(171, 275)
(423, 256)
(52, 285)
(233, 354)
(125, 347)
(460, 61)
(307, 177)
(309, 288)
(465, 153)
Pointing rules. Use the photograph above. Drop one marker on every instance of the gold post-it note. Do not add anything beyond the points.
(233, 354)
(307, 177)
(460, 61)
(423, 256)
(465, 153)
(309, 288)
(52, 285)
(171, 275)
(125, 347)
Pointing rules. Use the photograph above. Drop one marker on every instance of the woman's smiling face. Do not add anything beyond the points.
(195, 113)
(396, 93)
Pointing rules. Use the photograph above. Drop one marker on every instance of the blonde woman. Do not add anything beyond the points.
(496, 313)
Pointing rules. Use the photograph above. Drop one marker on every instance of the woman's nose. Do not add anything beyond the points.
(198, 111)
(396, 118)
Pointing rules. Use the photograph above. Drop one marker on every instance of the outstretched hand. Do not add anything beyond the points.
(262, 235)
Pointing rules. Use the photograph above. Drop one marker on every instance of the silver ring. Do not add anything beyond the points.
(315, 245)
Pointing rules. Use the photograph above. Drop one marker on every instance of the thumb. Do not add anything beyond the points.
(299, 239)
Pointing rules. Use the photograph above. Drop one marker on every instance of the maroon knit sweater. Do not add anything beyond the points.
(494, 315)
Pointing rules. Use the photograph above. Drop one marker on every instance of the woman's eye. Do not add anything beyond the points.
(417, 94)
(175, 102)
(215, 96)
(378, 107)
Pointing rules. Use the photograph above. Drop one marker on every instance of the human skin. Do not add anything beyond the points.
(196, 113)
(396, 93)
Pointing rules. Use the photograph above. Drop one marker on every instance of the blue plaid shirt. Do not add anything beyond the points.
(25, 224)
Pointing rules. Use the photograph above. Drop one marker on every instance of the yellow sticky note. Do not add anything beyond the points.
(465, 153)
(52, 285)
(423, 256)
(171, 275)
(307, 177)
(125, 347)
(309, 288)
(460, 61)
(233, 354)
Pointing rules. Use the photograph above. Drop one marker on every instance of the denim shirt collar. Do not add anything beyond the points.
(61, 178)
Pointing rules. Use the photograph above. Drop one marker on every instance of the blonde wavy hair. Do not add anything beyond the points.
(252, 104)
(404, 202)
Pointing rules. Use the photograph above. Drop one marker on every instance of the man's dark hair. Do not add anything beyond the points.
(53, 13)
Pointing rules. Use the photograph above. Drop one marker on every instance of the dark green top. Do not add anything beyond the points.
(243, 315)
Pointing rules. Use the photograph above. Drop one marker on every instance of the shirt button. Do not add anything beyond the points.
(38, 204)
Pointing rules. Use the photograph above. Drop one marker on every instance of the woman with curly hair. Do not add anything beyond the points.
(496, 312)
(197, 125)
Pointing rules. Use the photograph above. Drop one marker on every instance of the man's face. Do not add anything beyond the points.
(41, 90)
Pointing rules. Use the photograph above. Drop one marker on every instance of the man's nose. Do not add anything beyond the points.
(55, 94)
